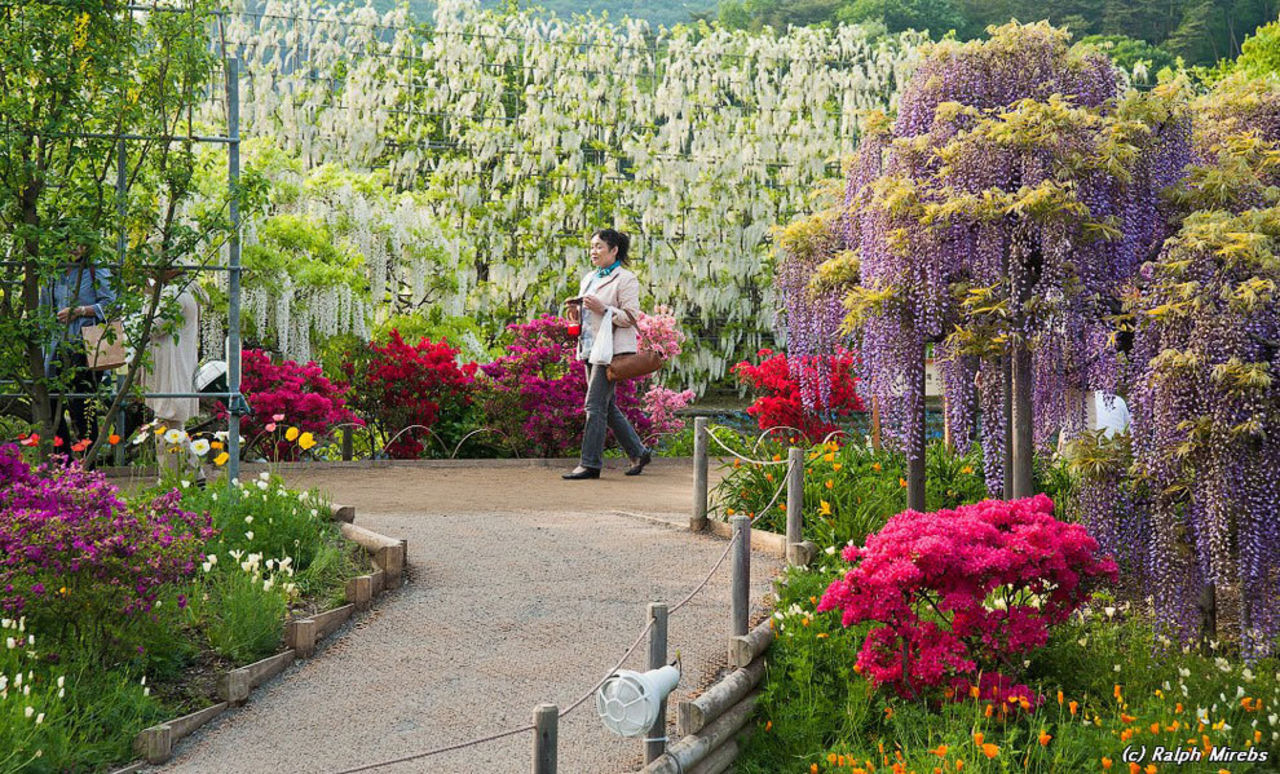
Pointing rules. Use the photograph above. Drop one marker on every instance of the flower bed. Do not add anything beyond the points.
(1099, 682)
(119, 610)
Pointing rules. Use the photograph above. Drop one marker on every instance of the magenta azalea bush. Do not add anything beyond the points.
(534, 394)
(72, 551)
(301, 394)
(963, 592)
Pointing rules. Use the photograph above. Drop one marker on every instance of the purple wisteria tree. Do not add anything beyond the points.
(997, 218)
(1204, 392)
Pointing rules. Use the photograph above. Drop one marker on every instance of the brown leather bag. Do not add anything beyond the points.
(633, 365)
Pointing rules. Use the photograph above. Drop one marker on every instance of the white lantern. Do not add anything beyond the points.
(628, 702)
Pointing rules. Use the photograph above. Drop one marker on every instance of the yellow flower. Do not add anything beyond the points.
(967, 469)
(824, 509)
(291, 434)
(829, 484)
(829, 456)
(875, 466)
(306, 441)
(902, 481)
(221, 459)
(836, 467)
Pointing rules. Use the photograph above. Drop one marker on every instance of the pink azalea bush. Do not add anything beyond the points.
(965, 591)
(301, 394)
(72, 551)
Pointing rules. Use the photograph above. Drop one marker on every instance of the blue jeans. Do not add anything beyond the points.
(603, 413)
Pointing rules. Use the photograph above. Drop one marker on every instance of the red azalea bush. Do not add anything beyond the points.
(72, 552)
(300, 393)
(397, 385)
(534, 394)
(779, 385)
(963, 592)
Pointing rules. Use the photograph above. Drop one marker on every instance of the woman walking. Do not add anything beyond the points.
(609, 296)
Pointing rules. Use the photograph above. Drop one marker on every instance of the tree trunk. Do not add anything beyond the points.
(1021, 422)
(915, 454)
(1006, 394)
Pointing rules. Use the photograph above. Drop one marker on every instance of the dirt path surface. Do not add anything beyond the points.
(522, 589)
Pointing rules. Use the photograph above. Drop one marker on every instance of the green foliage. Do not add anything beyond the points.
(1260, 52)
(937, 16)
(1141, 60)
(240, 618)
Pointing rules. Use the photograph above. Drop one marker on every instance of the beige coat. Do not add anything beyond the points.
(620, 291)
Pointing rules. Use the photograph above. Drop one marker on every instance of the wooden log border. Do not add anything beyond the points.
(301, 635)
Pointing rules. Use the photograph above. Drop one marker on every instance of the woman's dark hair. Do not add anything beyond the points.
(614, 238)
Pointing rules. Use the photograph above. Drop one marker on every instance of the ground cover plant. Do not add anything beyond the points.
(118, 609)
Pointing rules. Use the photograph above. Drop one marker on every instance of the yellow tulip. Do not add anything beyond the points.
(291, 434)
(306, 441)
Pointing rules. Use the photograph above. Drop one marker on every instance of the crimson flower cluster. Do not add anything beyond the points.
(311, 402)
(399, 385)
(71, 550)
(782, 400)
(964, 591)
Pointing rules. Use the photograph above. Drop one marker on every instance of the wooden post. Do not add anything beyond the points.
(795, 501)
(947, 440)
(300, 635)
(346, 444)
(741, 575)
(875, 423)
(699, 520)
(546, 719)
(656, 743)
(360, 591)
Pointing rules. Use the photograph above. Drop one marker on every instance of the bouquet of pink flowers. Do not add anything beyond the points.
(658, 332)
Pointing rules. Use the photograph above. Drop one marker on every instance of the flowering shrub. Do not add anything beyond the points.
(659, 333)
(71, 551)
(534, 394)
(661, 405)
(301, 392)
(962, 591)
(397, 385)
(780, 401)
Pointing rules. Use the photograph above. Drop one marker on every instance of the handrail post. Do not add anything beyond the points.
(546, 721)
(795, 503)
(741, 575)
(698, 522)
(656, 742)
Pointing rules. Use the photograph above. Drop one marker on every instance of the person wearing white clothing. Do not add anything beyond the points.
(174, 358)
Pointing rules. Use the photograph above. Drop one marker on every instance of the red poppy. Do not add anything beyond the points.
(80, 445)
(30, 440)
(57, 441)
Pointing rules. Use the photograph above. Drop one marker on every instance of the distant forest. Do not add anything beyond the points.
(1199, 32)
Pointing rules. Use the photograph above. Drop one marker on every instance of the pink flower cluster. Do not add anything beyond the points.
(661, 404)
(962, 591)
(658, 332)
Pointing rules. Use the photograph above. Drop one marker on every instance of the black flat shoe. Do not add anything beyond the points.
(584, 473)
(637, 468)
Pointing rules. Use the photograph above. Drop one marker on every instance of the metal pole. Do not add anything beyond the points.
(699, 520)
(656, 743)
(741, 575)
(236, 402)
(546, 719)
(122, 165)
(795, 501)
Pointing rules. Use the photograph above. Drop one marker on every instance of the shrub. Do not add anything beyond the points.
(396, 386)
(534, 394)
(780, 402)
(72, 553)
(962, 592)
(300, 392)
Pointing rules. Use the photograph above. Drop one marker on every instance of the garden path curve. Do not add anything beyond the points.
(522, 589)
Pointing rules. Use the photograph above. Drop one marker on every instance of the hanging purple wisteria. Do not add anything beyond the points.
(1204, 393)
(997, 217)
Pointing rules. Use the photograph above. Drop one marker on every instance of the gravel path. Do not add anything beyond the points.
(522, 589)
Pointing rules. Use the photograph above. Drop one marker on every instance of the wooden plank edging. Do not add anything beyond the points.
(155, 744)
(769, 542)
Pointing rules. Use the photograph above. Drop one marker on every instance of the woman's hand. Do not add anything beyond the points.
(594, 304)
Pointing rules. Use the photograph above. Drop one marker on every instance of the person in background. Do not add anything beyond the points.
(607, 287)
(174, 351)
(81, 295)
